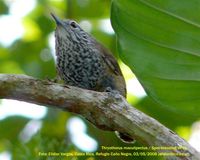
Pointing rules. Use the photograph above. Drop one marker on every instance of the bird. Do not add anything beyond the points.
(84, 62)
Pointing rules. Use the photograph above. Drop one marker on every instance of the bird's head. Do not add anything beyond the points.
(70, 30)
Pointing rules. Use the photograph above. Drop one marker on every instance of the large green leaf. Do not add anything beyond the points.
(169, 118)
(160, 42)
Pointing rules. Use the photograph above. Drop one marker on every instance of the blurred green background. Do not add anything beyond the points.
(27, 47)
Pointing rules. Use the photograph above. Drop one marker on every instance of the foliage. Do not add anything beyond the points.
(160, 43)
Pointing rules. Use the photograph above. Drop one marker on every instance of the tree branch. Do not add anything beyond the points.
(105, 110)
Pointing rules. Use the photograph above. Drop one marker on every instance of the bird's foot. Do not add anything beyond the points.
(118, 97)
(113, 93)
(54, 80)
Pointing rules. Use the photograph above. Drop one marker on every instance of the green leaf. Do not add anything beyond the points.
(11, 127)
(160, 42)
(87, 9)
(3, 8)
(170, 119)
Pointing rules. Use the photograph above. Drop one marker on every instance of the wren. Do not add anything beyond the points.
(84, 62)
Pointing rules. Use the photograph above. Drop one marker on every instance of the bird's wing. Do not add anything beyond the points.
(109, 59)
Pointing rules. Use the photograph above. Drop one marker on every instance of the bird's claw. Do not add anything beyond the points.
(114, 93)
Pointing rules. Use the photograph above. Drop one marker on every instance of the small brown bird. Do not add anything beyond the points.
(83, 62)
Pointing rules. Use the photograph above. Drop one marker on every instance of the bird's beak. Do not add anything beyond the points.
(57, 20)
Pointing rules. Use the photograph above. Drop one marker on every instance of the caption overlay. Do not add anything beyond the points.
(111, 151)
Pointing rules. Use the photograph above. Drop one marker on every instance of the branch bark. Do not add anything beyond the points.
(107, 111)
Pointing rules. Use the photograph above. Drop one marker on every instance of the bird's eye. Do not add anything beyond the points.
(73, 24)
